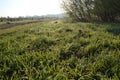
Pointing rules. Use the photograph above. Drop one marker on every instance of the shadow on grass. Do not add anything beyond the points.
(113, 28)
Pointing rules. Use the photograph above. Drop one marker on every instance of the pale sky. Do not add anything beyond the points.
(15, 8)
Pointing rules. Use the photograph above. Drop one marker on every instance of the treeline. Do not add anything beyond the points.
(93, 10)
(5, 19)
(43, 17)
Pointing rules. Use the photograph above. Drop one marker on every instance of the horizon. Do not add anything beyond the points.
(17, 8)
(33, 15)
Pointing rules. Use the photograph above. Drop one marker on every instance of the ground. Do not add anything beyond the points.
(7, 25)
(61, 51)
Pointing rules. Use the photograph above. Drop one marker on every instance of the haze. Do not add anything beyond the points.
(15, 8)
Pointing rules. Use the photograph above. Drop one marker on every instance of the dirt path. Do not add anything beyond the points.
(6, 26)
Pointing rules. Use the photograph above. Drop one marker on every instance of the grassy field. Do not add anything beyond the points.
(53, 50)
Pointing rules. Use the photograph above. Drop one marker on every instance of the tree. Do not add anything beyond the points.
(89, 10)
(109, 10)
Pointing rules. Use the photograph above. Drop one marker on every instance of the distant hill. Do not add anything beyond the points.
(48, 16)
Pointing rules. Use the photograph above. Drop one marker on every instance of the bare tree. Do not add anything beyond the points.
(89, 10)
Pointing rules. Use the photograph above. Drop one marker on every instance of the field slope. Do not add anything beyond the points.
(60, 51)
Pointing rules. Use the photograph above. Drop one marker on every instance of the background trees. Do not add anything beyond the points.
(90, 10)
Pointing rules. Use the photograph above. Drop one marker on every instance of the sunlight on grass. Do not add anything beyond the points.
(57, 50)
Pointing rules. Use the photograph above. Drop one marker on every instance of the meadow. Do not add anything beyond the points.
(57, 50)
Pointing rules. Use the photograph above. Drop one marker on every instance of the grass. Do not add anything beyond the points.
(60, 51)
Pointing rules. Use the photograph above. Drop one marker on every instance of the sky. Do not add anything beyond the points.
(15, 8)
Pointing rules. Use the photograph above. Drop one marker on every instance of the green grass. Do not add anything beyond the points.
(60, 51)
